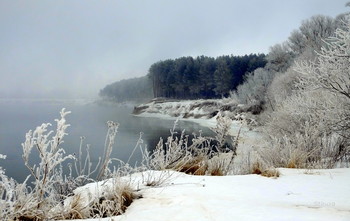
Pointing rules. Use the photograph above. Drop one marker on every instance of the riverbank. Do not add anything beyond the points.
(297, 194)
(307, 202)
(204, 112)
(199, 109)
(294, 194)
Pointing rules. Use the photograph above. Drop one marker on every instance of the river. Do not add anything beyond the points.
(86, 119)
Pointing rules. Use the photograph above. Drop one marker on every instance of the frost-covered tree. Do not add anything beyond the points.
(331, 72)
(282, 86)
(280, 58)
(311, 33)
(331, 69)
(313, 123)
(254, 88)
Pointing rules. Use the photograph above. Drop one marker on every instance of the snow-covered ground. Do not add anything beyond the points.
(297, 194)
(183, 109)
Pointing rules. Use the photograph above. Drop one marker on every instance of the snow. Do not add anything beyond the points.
(295, 195)
(298, 194)
(197, 112)
(184, 108)
(247, 139)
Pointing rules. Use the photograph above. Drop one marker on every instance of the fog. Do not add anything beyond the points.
(71, 49)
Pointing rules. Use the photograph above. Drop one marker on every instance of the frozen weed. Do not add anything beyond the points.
(204, 156)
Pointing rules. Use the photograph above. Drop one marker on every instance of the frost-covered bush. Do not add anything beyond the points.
(205, 155)
(97, 200)
(15, 199)
(176, 152)
(280, 58)
(302, 128)
(254, 88)
(21, 202)
(51, 156)
(282, 86)
(7, 186)
(310, 35)
(47, 199)
(106, 160)
(330, 72)
(311, 127)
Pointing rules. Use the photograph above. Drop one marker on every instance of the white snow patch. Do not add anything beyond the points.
(295, 195)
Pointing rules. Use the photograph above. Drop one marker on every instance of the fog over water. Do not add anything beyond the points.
(65, 49)
(88, 120)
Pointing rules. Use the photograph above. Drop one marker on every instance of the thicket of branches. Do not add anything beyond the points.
(302, 45)
(305, 91)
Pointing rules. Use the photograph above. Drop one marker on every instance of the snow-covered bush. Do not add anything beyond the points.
(301, 132)
(42, 197)
(53, 194)
(7, 186)
(20, 202)
(15, 199)
(177, 154)
(309, 37)
(330, 72)
(254, 88)
(205, 155)
(311, 127)
(97, 200)
(110, 138)
(281, 87)
(280, 58)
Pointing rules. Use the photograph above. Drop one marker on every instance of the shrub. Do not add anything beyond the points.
(105, 199)
(205, 156)
(53, 195)
(258, 168)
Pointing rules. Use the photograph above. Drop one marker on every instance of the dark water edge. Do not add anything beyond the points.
(87, 119)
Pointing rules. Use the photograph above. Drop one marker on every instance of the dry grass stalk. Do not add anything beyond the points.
(258, 169)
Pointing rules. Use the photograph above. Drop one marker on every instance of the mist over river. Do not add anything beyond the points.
(87, 119)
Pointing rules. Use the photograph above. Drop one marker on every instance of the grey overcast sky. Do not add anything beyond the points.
(73, 48)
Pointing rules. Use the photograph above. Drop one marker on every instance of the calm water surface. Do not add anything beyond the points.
(88, 120)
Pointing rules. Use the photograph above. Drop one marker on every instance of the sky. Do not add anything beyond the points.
(72, 49)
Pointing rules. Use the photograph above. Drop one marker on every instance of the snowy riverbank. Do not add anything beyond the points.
(297, 194)
(203, 112)
(198, 109)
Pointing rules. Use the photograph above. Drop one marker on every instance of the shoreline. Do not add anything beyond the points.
(247, 138)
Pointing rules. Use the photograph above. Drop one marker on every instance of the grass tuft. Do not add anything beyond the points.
(258, 169)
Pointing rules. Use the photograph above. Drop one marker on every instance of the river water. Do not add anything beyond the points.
(88, 120)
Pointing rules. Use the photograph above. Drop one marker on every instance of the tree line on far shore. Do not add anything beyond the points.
(201, 77)
(187, 78)
(134, 89)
